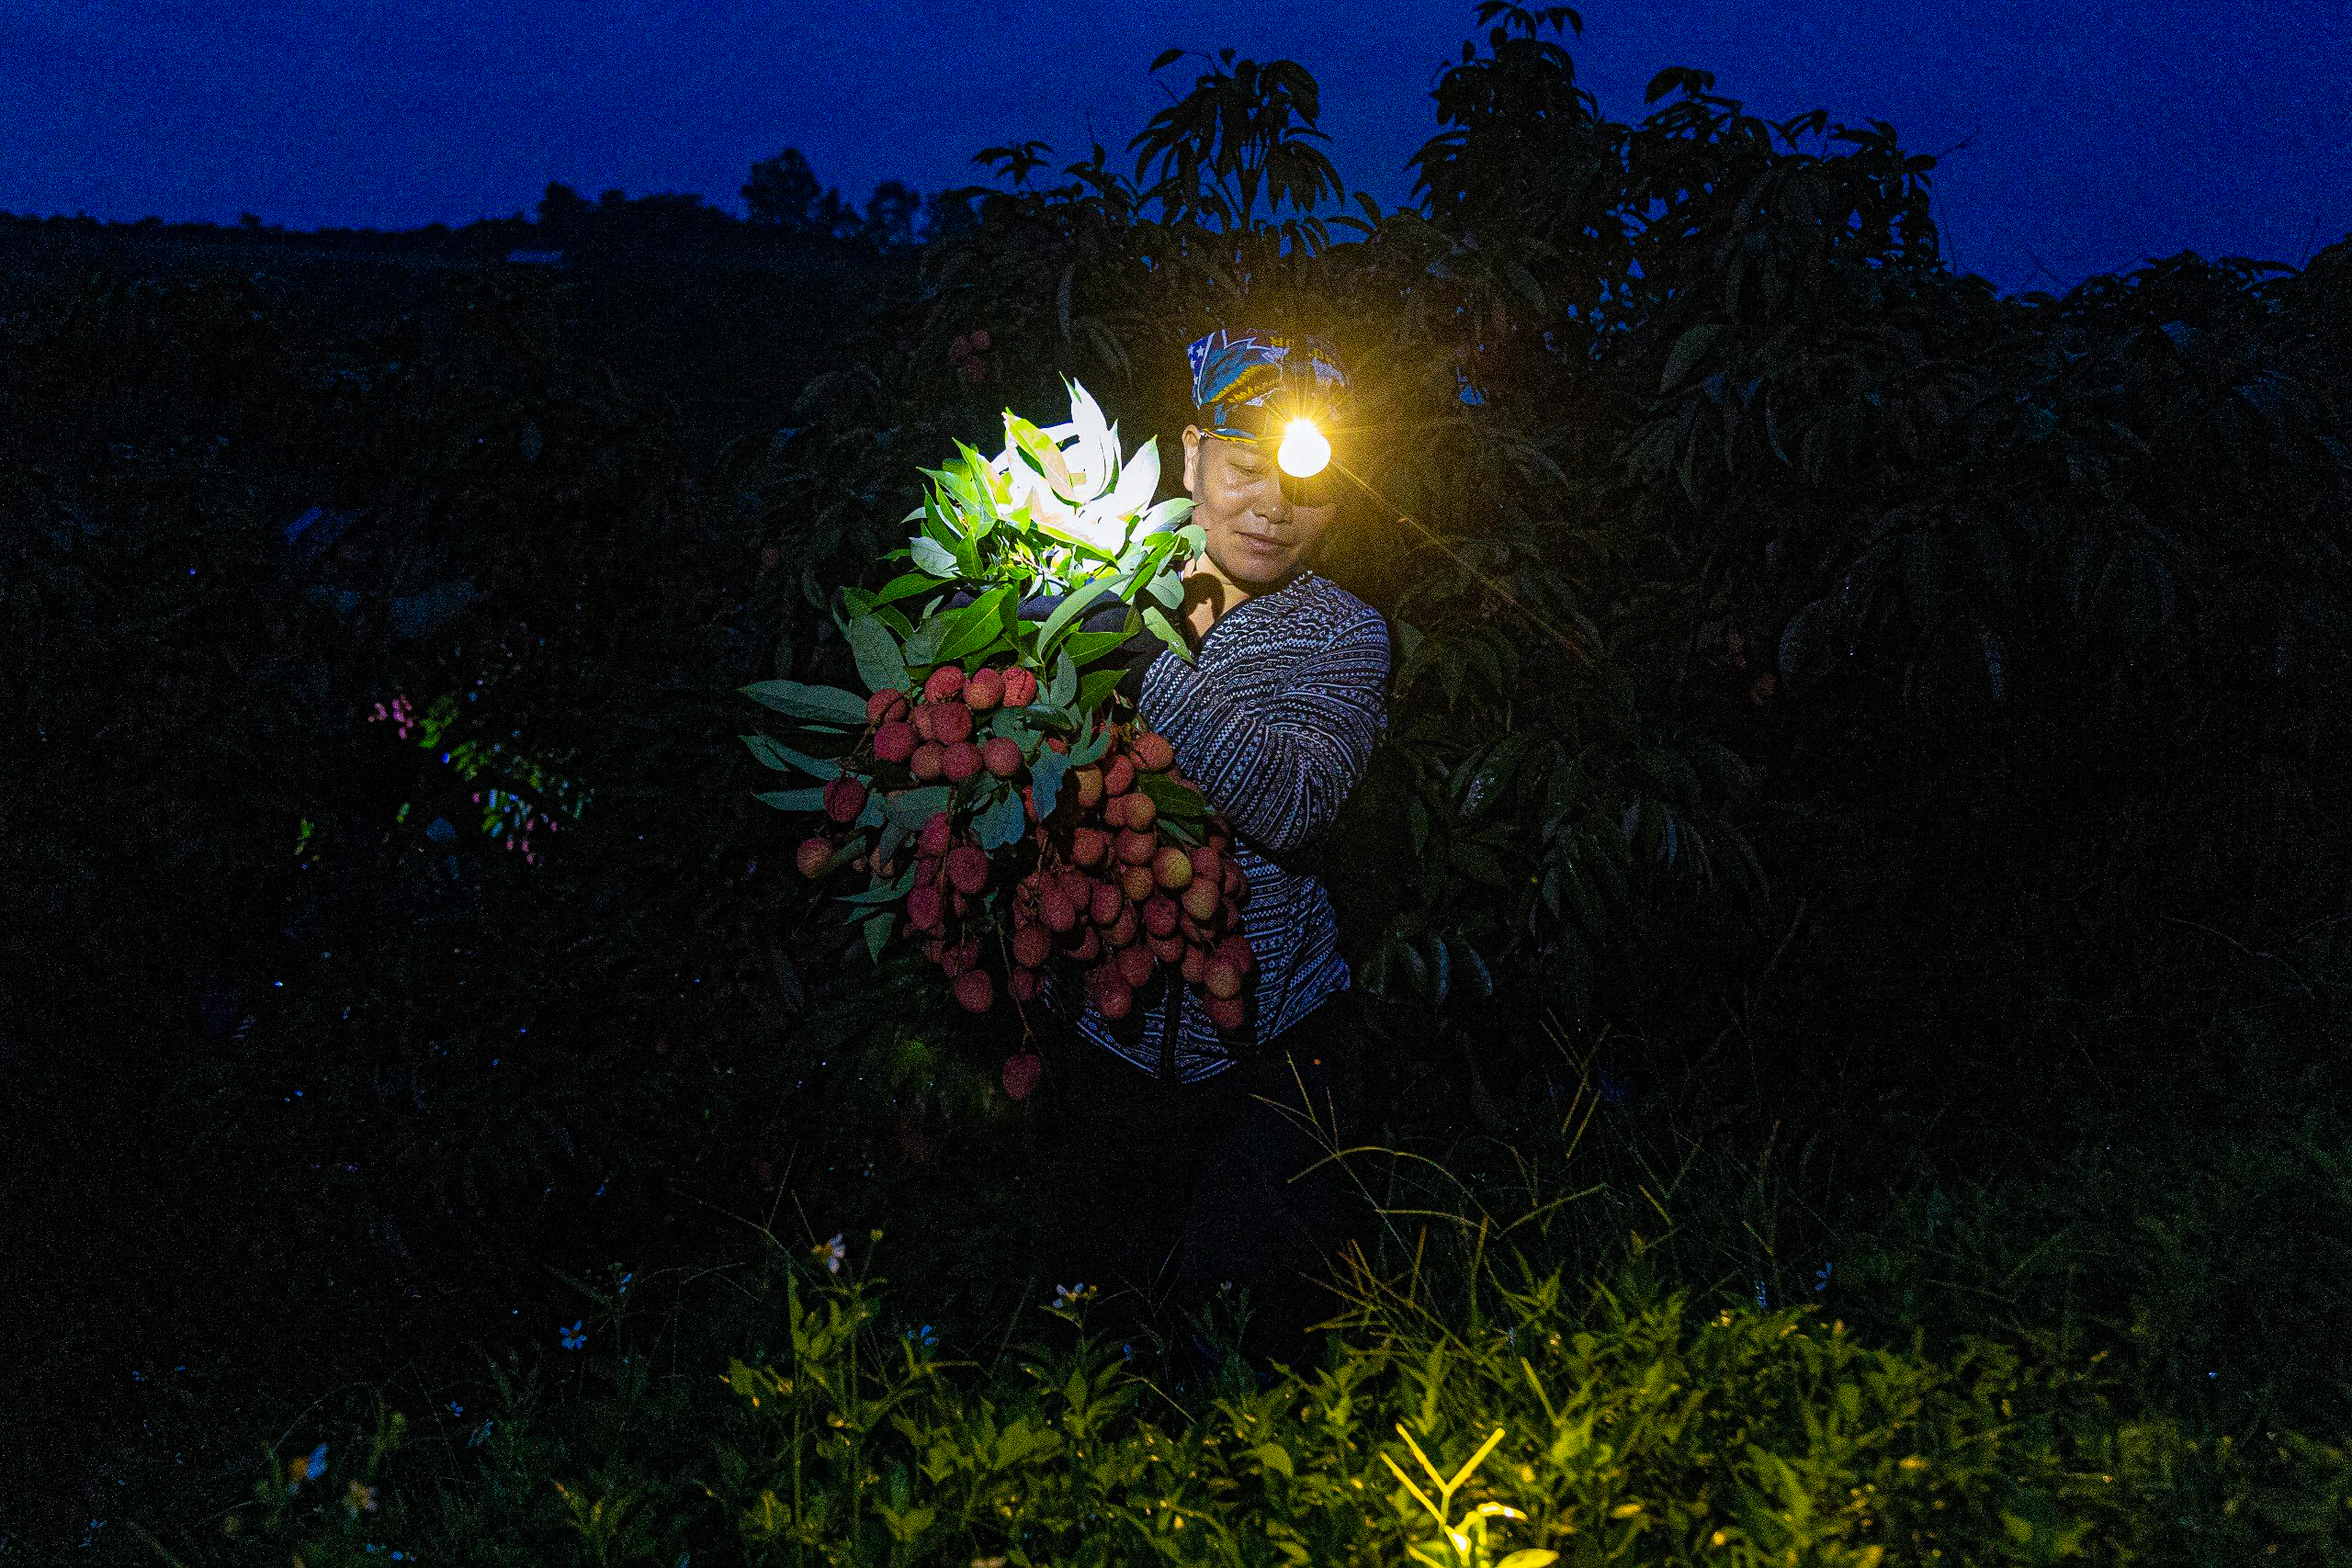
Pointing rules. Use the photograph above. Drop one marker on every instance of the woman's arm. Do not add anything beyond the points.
(1279, 771)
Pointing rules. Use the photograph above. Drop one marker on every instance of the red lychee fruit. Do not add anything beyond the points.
(921, 719)
(884, 706)
(895, 741)
(960, 763)
(1194, 964)
(1208, 865)
(1119, 775)
(1136, 965)
(1166, 949)
(1054, 908)
(1235, 949)
(936, 836)
(1123, 932)
(1002, 756)
(975, 990)
(1227, 1012)
(844, 798)
(951, 722)
(1202, 900)
(1152, 753)
(1137, 848)
(1031, 945)
(1105, 903)
(957, 959)
(1220, 980)
(983, 689)
(1173, 868)
(1135, 882)
(1020, 688)
(946, 685)
(928, 759)
(1087, 782)
(1089, 947)
(1021, 1072)
(1159, 916)
(1088, 846)
(1229, 878)
(1024, 985)
(968, 868)
(1141, 811)
(926, 905)
(813, 856)
(1113, 997)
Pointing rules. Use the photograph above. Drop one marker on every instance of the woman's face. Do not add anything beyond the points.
(1259, 536)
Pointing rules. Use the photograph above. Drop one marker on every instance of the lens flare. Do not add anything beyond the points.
(1305, 451)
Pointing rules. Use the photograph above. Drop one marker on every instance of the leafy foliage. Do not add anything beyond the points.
(1843, 693)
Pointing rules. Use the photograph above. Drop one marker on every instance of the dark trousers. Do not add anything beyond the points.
(1158, 1193)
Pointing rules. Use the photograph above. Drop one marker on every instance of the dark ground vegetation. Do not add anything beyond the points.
(1909, 798)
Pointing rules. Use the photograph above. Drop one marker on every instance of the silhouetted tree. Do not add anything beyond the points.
(890, 214)
(948, 212)
(561, 211)
(781, 191)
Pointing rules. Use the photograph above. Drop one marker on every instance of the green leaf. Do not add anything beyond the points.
(1063, 686)
(917, 807)
(1530, 1557)
(784, 757)
(1087, 646)
(824, 705)
(972, 627)
(1172, 798)
(792, 799)
(879, 663)
(877, 934)
(904, 587)
(1157, 619)
(890, 892)
(1096, 689)
(1045, 779)
(1167, 587)
(1002, 823)
(1689, 349)
(1073, 603)
(1091, 748)
(931, 556)
(921, 646)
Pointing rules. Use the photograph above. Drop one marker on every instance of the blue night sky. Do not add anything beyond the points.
(2098, 132)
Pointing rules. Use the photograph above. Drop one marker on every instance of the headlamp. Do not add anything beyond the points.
(1305, 451)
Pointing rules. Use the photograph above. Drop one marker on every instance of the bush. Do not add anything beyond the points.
(1478, 1377)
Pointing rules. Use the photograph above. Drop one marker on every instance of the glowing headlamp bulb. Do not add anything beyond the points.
(1305, 451)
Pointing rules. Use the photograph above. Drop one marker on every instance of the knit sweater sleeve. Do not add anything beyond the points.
(1279, 770)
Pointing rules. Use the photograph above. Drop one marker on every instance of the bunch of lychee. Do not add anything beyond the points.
(1101, 880)
(1113, 890)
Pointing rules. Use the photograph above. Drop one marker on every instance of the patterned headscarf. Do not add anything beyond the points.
(1247, 384)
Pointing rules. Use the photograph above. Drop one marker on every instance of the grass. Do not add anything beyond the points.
(1613, 1349)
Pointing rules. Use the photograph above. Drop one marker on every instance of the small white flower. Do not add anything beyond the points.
(832, 1252)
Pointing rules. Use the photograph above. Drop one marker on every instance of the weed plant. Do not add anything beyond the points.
(1609, 1350)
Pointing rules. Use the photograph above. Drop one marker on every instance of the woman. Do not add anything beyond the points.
(1164, 1175)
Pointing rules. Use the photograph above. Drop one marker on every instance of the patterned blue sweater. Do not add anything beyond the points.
(1276, 721)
